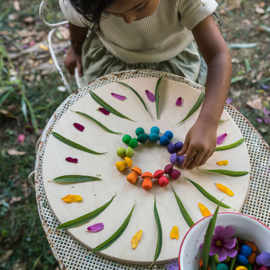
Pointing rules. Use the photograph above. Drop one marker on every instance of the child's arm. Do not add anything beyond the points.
(200, 142)
(73, 57)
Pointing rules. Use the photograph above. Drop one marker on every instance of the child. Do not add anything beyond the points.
(157, 35)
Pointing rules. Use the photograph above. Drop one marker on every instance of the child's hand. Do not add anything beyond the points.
(200, 144)
(72, 60)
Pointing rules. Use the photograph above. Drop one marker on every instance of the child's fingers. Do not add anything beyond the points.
(205, 158)
(196, 160)
(80, 67)
(191, 151)
(184, 148)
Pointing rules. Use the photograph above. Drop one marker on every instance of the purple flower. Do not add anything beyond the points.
(229, 100)
(96, 227)
(221, 138)
(173, 265)
(150, 95)
(222, 243)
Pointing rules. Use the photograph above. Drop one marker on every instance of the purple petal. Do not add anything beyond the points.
(218, 231)
(264, 259)
(259, 120)
(221, 138)
(201, 246)
(230, 252)
(178, 102)
(222, 254)
(228, 233)
(265, 111)
(265, 87)
(96, 227)
(229, 100)
(213, 250)
(118, 96)
(79, 126)
(150, 96)
(266, 120)
(229, 243)
(73, 160)
(104, 111)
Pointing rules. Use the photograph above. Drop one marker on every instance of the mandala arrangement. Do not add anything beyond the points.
(154, 137)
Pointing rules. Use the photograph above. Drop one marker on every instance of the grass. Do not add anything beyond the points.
(28, 98)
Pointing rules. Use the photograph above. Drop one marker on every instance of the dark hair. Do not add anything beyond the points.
(92, 10)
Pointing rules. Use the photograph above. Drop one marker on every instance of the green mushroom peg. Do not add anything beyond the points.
(126, 139)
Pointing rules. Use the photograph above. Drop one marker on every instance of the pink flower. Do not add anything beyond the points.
(21, 138)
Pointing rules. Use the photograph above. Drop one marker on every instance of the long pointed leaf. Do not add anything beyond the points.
(230, 146)
(136, 93)
(97, 122)
(209, 196)
(108, 107)
(194, 108)
(233, 260)
(159, 230)
(226, 172)
(75, 179)
(242, 45)
(207, 240)
(75, 145)
(212, 263)
(157, 95)
(223, 120)
(115, 236)
(183, 211)
(85, 218)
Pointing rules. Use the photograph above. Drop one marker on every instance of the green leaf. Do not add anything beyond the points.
(74, 145)
(233, 260)
(195, 107)
(75, 178)
(223, 120)
(97, 122)
(237, 79)
(24, 109)
(107, 107)
(242, 45)
(212, 263)
(247, 64)
(157, 95)
(85, 218)
(207, 240)
(226, 172)
(159, 238)
(136, 93)
(209, 196)
(230, 146)
(183, 211)
(115, 236)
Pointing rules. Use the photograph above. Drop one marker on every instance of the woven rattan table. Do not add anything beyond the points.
(72, 255)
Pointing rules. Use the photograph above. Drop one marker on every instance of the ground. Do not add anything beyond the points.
(30, 91)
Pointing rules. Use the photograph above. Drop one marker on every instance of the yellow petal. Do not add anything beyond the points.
(136, 238)
(72, 198)
(223, 163)
(174, 233)
(204, 210)
(43, 47)
(225, 189)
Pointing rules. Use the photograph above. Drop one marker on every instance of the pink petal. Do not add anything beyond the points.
(222, 254)
(150, 96)
(228, 233)
(73, 160)
(178, 102)
(230, 252)
(79, 126)
(118, 96)
(229, 243)
(259, 120)
(96, 227)
(221, 138)
(20, 138)
(104, 111)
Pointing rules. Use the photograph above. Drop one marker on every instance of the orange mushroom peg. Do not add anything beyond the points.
(132, 177)
(147, 184)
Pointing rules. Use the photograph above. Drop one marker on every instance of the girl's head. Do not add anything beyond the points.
(129, 10)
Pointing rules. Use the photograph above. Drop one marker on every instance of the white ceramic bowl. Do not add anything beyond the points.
(246, 227)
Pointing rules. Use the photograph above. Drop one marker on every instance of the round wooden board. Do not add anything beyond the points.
(149, 157)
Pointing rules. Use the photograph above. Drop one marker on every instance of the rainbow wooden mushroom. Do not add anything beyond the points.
(121, 165)
(132, 177)
(162, 180)
(147, 183)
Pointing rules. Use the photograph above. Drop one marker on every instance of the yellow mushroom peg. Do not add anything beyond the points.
(224, 189)
(223, 163)
(204, 210)
(136, 238)
(174, 233)
(121, 165)
(132, 177)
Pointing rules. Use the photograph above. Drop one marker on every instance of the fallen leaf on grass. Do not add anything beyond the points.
(16, 5)
(6, 256)
(14, 199)
(255, 104)
(234, 4)
(14, 152)
(259, 10)
(264, 28)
